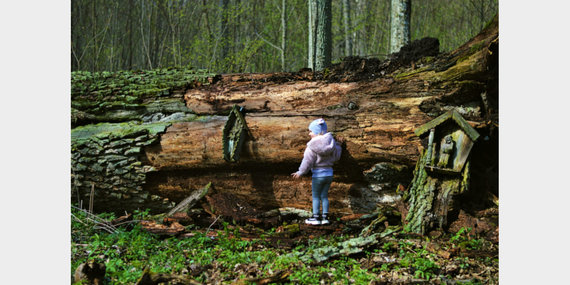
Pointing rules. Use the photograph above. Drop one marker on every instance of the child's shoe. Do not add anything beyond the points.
(324, 219)
(314, 220)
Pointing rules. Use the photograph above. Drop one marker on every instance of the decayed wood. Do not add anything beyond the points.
(349, 247)
(376, 117)
(122, 220)
(187, 203)
(90, 272)
(381, 128)
(173, 229)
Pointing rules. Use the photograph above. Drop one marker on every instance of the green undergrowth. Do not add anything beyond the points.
(226, 257)
(126, 253)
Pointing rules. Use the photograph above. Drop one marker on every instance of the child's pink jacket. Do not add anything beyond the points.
(321, 152)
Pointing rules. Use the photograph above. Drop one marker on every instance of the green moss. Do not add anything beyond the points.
(407, 75)
(474, 48)
(114, 105)
(477, 46)
(166, 105)
(82, 104)
(334, 107)
(422, 215)
(132, 86)
(196, 118)
(464, 187)
(493, 22)
(426, 59)
(418, 201)
(82, 134)
(129, 95)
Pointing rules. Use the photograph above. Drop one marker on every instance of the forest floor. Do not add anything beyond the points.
(144, 249)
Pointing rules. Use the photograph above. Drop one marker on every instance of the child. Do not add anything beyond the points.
(321, 152)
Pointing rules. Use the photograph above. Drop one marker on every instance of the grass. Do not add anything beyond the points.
(227, 258)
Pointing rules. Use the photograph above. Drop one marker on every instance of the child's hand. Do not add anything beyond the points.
(295, 175)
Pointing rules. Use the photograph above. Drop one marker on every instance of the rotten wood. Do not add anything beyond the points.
(190, 201)
(180, 217)
(349, 247)
(173, 229)
(376, 116)
(122, 220)
(90, 272)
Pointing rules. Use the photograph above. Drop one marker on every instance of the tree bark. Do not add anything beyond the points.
(401, 10)
(323, 35)
(224, 14)
(359, 35)
(347, 26)
(312, 21)
(283, 33)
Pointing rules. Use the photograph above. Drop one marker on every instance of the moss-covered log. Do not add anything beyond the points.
(375, 105)
(131, 95)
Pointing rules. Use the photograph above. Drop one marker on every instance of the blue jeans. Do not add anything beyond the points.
(320, 187)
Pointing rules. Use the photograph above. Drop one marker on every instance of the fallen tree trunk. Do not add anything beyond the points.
(375, 106)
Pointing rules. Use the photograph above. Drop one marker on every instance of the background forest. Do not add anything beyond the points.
(228, 36)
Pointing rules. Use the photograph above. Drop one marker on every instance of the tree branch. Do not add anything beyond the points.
(259, 36)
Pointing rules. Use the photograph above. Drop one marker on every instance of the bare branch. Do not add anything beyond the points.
(212, 224)
(258, 35)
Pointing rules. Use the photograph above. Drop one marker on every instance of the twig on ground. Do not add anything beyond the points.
(98, 222)
(105, 227)
(91, 196)
(212, 224)
(78, 219)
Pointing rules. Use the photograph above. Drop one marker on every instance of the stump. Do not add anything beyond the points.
(440, 175)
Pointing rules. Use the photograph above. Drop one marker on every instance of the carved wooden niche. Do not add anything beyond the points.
(450, 139)
(234, 134)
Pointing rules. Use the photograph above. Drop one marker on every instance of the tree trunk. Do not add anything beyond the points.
(359, 35)
(323, 46)
(223, 38)
(375, 106)
(347, 26)
(283, 33)
(401, 10)
(312, 20)
(432, 200)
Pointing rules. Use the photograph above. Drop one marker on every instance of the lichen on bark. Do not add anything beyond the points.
(431, 197)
